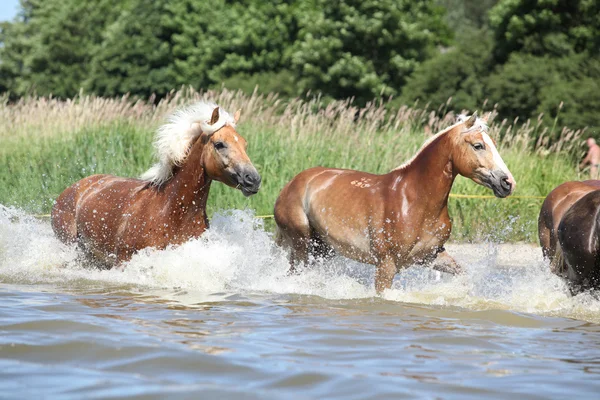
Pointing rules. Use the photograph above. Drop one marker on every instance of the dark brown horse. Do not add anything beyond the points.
(391, 220)
(568, 232)
(111, 217)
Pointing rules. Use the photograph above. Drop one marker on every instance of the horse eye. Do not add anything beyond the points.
(219, 145)
(478, 146)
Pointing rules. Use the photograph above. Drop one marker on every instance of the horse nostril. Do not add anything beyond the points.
(251, 179)
(506, 183)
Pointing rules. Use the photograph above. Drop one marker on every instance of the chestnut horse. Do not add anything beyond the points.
(111, 218)
(391, 220)
(567, 231)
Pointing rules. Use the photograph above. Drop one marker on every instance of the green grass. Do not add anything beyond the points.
(35, 169)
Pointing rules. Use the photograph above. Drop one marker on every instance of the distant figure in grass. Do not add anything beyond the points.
(569, 233)
(393, 220)
(592, 158)
(111, 218)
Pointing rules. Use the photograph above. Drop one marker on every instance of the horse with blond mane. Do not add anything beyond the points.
(392, 220)
(111, 218)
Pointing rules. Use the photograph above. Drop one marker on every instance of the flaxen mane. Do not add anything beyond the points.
(173, 139)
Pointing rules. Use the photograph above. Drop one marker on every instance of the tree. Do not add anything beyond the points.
(573, 98)
(459, 74)
(219, 39)
(48, 47)
(135, 54)
(466, 15)
(364, 48)
(545, 27)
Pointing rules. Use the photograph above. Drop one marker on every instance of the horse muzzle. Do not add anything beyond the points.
(248, 180)
(502, 184)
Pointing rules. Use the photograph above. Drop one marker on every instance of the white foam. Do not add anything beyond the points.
(238, 256)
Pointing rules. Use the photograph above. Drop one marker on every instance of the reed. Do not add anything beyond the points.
(47, 144)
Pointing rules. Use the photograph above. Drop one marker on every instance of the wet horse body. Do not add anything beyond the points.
(579, 240)
(391, 220)
(568, 229)
(111, 217)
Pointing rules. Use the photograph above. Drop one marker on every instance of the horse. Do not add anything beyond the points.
(110, 218)
(392, 220)
(567, 231)
(579, 240)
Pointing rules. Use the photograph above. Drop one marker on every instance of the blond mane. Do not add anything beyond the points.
(173, 140)
(479, 124)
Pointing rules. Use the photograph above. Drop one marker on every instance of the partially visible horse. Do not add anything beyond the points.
(568, 232)
(391, 220)
(111, 218)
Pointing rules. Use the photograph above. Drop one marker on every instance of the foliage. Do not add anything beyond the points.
(528, 85)
(48, 50)
(457, 75)
(532, 56)
(555, 28)
(281, 82)
(140, 65)
(466, 15)
(219, 39)
(575, 100)
(364, 48)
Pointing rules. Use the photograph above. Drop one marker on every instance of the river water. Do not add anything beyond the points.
(219, 318)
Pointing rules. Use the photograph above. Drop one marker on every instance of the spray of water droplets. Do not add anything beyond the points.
(237, 255)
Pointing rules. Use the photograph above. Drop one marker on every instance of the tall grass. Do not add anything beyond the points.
(48, 144)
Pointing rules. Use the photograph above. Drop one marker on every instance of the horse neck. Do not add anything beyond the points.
(187, 191)
(431, 174)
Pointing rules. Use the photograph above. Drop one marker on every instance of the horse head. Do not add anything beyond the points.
(224, 155)
(475, 156)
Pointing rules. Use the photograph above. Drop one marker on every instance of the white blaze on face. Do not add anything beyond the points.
(498, 161)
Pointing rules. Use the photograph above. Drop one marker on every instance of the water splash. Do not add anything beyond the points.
(237, 255)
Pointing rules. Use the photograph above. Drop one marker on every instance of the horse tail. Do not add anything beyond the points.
(557, 264)
(278, 236)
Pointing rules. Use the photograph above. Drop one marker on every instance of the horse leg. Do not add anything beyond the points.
(444, 262)
(63, 216)
(296, 238)
(90, 257)
(319, 248)
(385, 271)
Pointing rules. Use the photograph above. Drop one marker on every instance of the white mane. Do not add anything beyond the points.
(479, 124)
(173, 139)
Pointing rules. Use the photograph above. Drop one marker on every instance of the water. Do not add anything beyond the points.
(219, 318)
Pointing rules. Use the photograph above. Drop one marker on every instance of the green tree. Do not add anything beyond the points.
(573, 97)
(459, 74)
(10, 61)
(465, 15)
(135, 54)
(545, 27)
(364, 48)
(53, 49)
(219, 39)
(527, 86)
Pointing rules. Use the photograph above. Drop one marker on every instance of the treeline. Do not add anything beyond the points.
(527, 56)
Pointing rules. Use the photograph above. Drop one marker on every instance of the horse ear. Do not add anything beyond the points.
(471, 121)
(215, 116)
(486, 117)
(236, 116)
